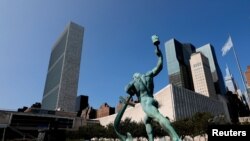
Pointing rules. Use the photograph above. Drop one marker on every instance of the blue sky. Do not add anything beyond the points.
(117, 41)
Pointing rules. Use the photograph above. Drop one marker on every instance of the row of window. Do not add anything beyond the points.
(188, 103)
(197, 65)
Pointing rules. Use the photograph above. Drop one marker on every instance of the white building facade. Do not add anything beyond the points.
(175, 103)
(202, 76)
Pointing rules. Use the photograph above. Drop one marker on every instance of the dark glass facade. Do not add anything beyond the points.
(178, 56)
(82, 102)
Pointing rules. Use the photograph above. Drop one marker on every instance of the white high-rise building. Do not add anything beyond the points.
(229, 80)
(208, 51)
(201, 74)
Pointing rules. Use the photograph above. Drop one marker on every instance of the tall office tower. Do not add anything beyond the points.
(208, 51)
(63, 72)
(201, 74)
(229, 80)
(178, 56)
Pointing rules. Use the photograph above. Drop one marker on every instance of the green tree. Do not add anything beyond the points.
(128, 125)
(183, 127)
(158, 130)
(110, 132)
(196, 125)
(200, 121)
(91, 131)
(140, 131)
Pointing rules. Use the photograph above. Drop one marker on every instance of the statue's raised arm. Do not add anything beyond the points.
(159, 65)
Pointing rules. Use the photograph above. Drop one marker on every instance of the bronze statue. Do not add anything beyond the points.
(143, 87)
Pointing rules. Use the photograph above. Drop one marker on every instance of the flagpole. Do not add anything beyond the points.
(238, 64)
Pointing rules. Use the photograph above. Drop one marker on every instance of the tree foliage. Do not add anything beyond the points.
(196, 125)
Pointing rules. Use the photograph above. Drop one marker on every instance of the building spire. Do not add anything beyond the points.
(228, 73)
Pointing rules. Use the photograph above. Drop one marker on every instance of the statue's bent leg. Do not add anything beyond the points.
(165, 124)
(153, 112)
(149, 128)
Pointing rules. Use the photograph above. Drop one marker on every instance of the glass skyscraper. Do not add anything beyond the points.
(63, 72)
(179, 70)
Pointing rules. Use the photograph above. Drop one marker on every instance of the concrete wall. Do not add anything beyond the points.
(164, 98)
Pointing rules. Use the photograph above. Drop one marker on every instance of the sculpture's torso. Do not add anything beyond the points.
(144, 85)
